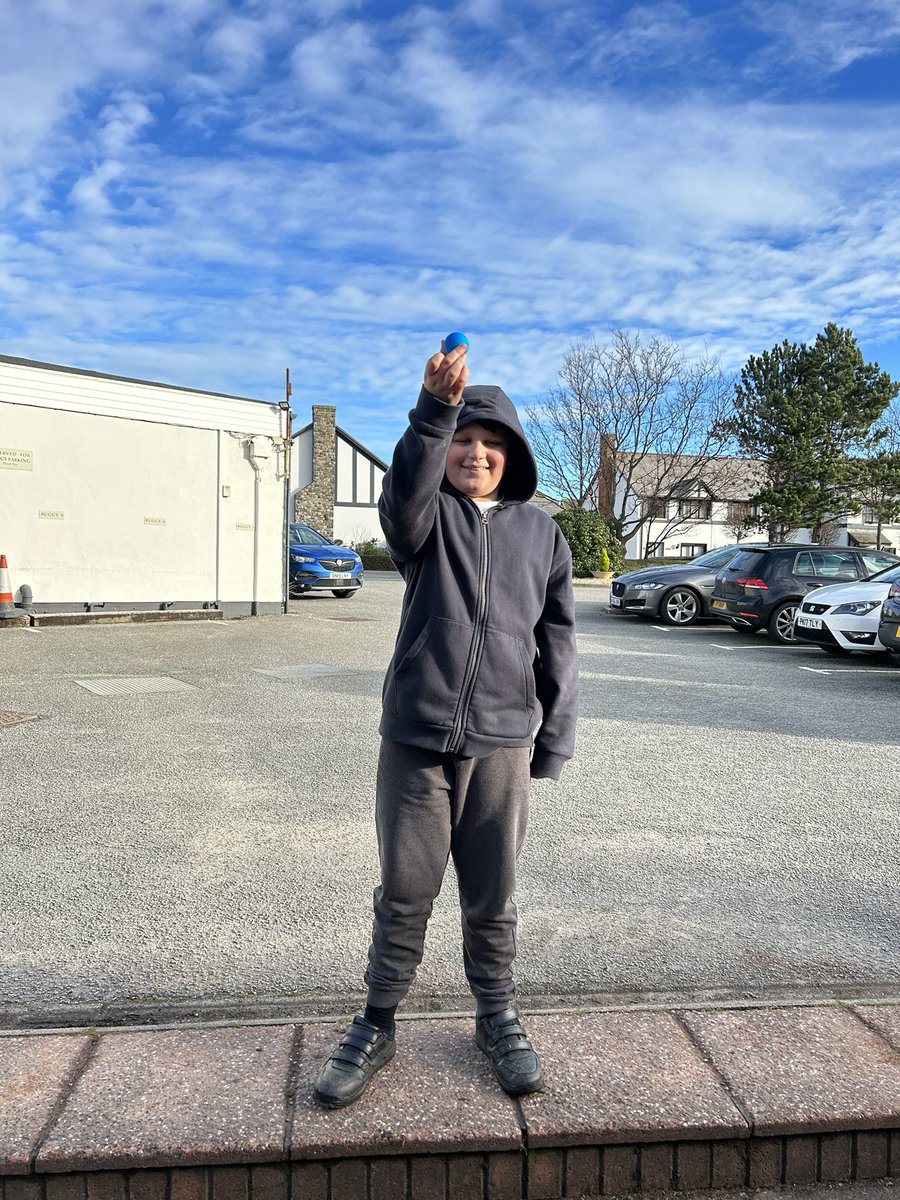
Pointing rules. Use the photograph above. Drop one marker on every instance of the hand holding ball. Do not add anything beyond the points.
(452, 340)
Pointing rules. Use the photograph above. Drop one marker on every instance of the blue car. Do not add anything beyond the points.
(317, 564)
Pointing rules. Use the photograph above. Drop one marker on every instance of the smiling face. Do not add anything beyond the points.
(476, 461)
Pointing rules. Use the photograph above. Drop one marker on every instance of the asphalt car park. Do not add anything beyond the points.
(727, 828)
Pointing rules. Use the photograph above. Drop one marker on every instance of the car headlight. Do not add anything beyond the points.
(857, 608)
(301, 558)
(649, 587)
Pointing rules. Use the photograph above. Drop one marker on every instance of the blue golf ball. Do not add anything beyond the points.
(452, 340)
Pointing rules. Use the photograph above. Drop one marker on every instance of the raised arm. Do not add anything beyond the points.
(410, 487)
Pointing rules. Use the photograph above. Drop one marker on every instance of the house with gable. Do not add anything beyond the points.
(698, 505)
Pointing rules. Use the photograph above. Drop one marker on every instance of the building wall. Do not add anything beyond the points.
(97, 508)
(336, 483)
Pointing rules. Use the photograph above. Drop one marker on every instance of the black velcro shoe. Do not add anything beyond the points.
(505, 1042)
(362, 1050)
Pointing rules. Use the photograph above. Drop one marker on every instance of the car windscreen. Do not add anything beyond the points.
(303, 535)
(891, 575)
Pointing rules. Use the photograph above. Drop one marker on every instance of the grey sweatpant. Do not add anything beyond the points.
(428, 807)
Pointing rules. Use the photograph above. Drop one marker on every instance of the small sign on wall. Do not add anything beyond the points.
(51, 514)
(245, 526)
(16, 460)
(154, 520)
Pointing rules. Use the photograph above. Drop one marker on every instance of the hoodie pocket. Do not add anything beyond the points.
(428, 679)
(503, 698)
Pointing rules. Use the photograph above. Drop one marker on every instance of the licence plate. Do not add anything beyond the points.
(616, 601)
(718, 604)
(340, 574)
(808, 622)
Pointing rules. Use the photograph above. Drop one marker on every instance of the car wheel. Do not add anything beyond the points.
(681, 606)
(781, 623)
(343, 593)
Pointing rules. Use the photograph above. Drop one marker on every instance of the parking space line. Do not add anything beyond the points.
(685, 683)
(851, 670)
(619, 653)
(760, 646)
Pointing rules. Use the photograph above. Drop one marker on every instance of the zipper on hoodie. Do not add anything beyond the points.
(476, 646)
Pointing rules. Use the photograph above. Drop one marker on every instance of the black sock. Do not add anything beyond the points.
(381, 1018)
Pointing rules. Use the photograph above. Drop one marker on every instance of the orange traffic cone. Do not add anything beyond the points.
(7, 608)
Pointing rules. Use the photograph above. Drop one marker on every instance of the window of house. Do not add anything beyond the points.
(656, 508)
(692, 549)
(656, 550)
(741, 510)
(694, 510)
(869, 517)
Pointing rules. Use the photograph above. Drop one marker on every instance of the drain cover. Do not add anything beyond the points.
(303, 671)
(16, 718)
(126, 686)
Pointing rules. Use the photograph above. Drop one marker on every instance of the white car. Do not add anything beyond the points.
(844, 616)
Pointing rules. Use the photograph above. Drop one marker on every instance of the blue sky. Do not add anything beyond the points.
(205, 192)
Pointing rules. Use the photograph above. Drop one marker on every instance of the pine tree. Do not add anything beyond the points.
(807, 413)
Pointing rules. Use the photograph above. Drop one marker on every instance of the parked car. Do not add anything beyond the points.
(762, 588)
(677, 594)
(845, 616)
(316, 563)
(889, 620)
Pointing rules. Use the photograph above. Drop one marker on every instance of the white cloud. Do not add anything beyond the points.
(825, 35)
(327, 63)
(238, 45)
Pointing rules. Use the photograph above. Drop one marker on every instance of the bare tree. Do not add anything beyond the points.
(741, 519)
(629, 426)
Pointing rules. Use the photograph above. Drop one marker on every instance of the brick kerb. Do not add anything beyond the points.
(857, 1144)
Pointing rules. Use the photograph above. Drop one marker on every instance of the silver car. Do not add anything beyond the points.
(677, 594)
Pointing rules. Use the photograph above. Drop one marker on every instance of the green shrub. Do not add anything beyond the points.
(374, 554)
(592, 544)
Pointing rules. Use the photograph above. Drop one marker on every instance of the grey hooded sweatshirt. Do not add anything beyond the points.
(485, 655)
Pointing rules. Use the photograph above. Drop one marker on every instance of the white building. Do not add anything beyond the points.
(135, 495)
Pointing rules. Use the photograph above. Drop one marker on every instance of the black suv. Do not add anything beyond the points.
(761, 588)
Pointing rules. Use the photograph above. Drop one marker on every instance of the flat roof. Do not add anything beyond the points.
(175, 387)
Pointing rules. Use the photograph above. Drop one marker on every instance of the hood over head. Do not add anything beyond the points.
(481, 404)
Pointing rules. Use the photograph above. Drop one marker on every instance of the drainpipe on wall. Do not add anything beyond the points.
(286, 568)
(258, 452)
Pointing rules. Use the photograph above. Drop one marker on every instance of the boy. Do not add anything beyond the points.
(480, 697)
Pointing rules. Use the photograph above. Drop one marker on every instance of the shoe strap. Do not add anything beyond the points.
(509, 1036)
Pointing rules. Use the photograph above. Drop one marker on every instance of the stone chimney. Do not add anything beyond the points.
(314, 504)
